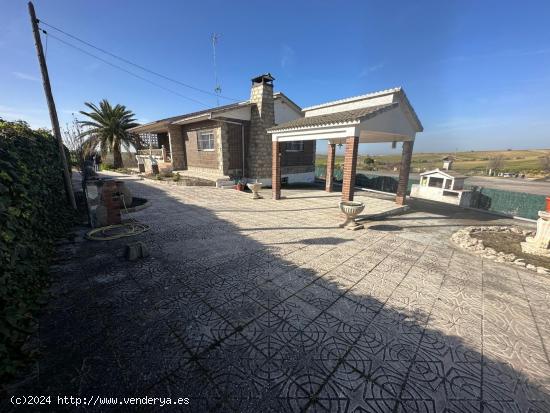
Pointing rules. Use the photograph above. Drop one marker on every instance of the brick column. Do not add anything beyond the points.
(350, 163)
(404, 172)
(276, 170)
(329, 178)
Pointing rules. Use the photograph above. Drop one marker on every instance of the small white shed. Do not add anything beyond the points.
(443, 186)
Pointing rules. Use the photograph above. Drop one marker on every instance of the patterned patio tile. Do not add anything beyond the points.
(241, 310)
(348, 391)
(353, 314)
(388, 375)
(190, 381)
(202, 331)
(269, 334)
(428, 406)
(268, 294)
(302, 315)
(318, 296)
(309, 368)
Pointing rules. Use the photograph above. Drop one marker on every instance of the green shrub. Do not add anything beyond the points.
(176, 177)
(106, 167)
(33, 212)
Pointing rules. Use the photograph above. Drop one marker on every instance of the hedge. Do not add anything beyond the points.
(33, 213)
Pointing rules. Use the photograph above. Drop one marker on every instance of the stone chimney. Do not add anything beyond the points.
(448, 163)
(262, 118)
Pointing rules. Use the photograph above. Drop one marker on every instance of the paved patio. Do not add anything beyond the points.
(260, 305)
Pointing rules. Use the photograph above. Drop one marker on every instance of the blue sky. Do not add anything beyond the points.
(477, 72)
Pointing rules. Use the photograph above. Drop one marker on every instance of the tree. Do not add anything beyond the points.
(108, 128)
(368, 161)
(497, 162)
(545, 163)
(74, 141)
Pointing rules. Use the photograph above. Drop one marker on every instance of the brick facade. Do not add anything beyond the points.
(276, 170)
(350, 164)
(404, 172)
(329, 176)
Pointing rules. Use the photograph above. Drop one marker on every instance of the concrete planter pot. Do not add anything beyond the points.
(255, 188)
(351, 209)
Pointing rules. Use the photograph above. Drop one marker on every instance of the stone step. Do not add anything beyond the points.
(224, 182)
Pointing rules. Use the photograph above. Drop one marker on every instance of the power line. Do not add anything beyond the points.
(135, 64)
(123, 69)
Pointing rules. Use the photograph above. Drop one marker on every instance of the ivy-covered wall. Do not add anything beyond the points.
(33, 213)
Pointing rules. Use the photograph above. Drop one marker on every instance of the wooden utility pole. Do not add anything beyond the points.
(51, 106)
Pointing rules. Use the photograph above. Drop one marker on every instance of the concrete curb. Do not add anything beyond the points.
(136, 208)
(397, 211)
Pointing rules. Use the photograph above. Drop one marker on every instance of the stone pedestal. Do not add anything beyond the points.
(540, 243)
(103, 198)
(255, 188)
(351, 210)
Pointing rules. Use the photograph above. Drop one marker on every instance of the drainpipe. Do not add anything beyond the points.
(242, 136)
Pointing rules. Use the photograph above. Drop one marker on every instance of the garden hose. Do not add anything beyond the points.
(127, 229)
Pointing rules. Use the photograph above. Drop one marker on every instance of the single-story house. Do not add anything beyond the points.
(229, 142)
(270, 138)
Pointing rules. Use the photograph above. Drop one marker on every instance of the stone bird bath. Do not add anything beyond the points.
(351, 209)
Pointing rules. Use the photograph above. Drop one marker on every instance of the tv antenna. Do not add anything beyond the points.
(217, 88)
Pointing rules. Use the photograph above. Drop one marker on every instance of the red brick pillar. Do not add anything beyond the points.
(404, 172)
(350, 163)
(276, 170)
(329, 176)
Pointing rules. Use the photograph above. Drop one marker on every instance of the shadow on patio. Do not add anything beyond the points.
(287, 319)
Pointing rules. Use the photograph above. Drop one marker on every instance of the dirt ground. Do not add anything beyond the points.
(510, 243)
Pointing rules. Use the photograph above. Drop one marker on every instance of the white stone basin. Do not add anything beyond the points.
(351, 209)
(255, 188)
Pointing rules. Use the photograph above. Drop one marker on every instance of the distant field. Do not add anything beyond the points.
(526, 161)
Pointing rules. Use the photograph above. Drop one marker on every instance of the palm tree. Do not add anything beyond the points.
(108, 128)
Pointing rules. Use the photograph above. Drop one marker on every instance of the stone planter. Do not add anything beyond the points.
(540, 243)
(255, 188)
(351, 209)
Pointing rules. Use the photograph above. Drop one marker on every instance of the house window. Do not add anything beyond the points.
(295, 146)
(205, 141)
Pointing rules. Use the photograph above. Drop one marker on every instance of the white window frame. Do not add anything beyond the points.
(294, 146)
(200, 134)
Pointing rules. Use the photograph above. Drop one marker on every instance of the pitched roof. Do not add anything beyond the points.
(451, 174)
(166, 121)
(338, 118)
(354, 98)
(162, 123)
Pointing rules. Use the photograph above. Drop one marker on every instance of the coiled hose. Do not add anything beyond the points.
(111, 232)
